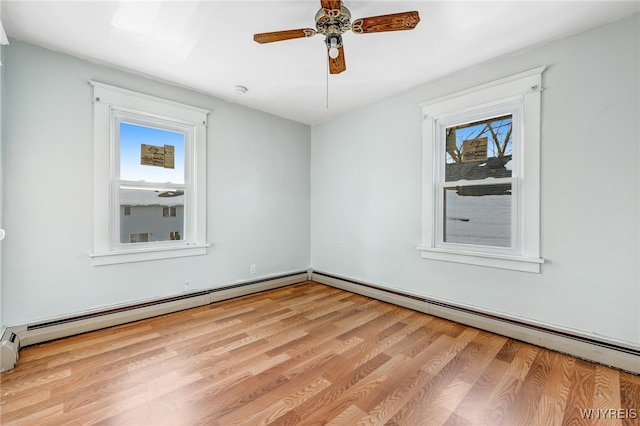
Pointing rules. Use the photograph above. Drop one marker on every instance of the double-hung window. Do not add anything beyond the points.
(481, 175)
(149, 177)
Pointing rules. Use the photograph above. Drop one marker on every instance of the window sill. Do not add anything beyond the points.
(514, 263)
(141, 255)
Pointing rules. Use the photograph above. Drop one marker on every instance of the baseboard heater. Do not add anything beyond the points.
(19, 336)
(599, 351)
(9, 348)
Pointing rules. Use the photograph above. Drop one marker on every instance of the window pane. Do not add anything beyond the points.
(160, 160)
(142, 237)
(478, 215)
(147, 208)
(479, 150)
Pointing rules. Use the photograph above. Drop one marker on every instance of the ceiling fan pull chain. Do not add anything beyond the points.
(328, 81)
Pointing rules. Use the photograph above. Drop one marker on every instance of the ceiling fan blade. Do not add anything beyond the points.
(330, 4)
(392, 22)
(337, 65)
(283, 35)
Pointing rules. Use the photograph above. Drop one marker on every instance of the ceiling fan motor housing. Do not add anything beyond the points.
(331, 22)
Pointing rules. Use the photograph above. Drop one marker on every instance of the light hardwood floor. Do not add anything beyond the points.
(308, 354)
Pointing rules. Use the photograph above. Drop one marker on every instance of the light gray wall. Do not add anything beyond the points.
(257, 207)
(366, 189)
(2, 322)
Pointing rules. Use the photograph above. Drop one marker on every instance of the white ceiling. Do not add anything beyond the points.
(208, 45)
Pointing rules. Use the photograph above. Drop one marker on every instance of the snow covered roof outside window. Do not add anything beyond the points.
(144, 197)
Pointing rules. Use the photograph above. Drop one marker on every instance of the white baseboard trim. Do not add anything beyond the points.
(624, 358)
(30, 334)
(607, 353)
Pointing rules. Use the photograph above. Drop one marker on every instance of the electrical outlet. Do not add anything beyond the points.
(252, 268)
(186, 286)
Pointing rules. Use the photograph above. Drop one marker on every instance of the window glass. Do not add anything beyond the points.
(478, 215)
(152, 178)
(479, 150)
(149, 207)
(142, 145)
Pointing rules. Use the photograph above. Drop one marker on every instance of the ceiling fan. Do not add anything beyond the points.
(333, 20)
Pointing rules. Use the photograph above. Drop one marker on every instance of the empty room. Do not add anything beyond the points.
(320, 212)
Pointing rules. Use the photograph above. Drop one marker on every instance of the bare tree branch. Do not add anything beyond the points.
(506, 139)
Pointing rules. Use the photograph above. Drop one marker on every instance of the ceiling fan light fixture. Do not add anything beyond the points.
(333, 41)
(332, 44)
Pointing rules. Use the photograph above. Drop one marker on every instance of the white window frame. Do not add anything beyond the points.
(109, 102)
(118, 117)
(511, 107)
(520, 95)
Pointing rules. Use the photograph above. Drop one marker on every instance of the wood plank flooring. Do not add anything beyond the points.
(308, 355)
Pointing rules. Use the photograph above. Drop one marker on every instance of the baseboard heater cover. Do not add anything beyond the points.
(29, 334)
(9, 348)
(602, 352)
